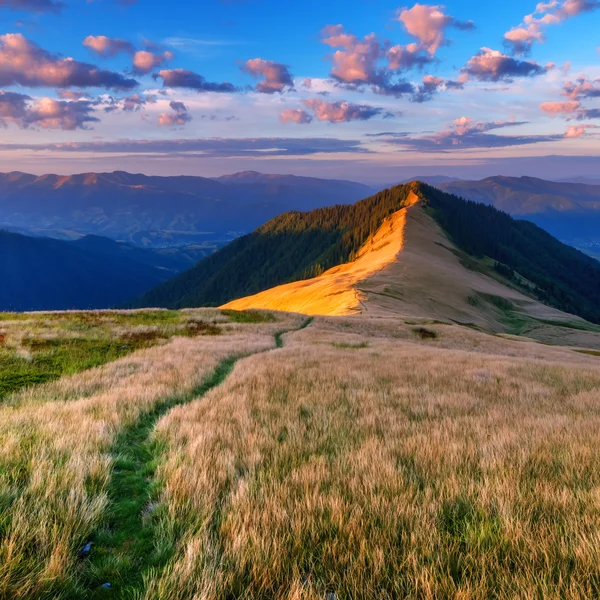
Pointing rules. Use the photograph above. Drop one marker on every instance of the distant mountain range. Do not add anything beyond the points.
(92, 272)
(297, 246)
(160, 211)
(569, 211)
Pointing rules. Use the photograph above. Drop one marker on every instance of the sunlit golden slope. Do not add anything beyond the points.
(411, 269)
(335, 291)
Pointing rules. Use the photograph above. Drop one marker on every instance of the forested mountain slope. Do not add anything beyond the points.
(290, 247)
(297, 246)
(46, 274)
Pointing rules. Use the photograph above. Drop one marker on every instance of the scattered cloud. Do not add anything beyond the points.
(583, 87)
(178, 117)
(430, 85)
(576, 131)
(557, 108)
(429, 24)
(132, 103)
(72, 95)
(520, 39)
(208, 147)
(276, 75)
(492, 65)
(182, 78)
(466, 134)
(145, 61)
(341, 112)
(299, 116)
(46, 113)
(23, 62)
(34, 6)
(108, 47)
(571, 110)
(358, 62)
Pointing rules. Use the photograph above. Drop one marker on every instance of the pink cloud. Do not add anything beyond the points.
(358, 61)
(583, 87)
(340, 112)
(276, 75)
(466, 134)
(178, 117)
(521, 38)
(493, 65)
(577, 131)
(299, 116)
(24, 63)
(46, 113)
(428, 24)
(557, 108)
(145, 61)
(107, 47)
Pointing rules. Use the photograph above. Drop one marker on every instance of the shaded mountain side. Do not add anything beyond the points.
(47, 274)
(290, 247)
(297, 246)
(569, 211)
(160, 211)
(562, 276)
(411, 270)
(170, 260)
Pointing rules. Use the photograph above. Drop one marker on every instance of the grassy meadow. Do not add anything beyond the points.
(267, 456)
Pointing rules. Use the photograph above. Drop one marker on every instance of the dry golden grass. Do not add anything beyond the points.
(55, 442)
(412, 270)
(371, 464)
(335, 292)
(364, 459)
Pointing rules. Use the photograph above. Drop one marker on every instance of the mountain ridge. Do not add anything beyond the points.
(159, 211)
(556, 274)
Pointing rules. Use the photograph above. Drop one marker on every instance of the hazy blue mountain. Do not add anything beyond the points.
(569, 211)
(160, 211)
(40, 273)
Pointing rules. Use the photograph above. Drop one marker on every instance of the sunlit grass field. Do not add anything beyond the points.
(270, 456)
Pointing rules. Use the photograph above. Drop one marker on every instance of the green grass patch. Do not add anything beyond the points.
(279, 335)
(343, 345)
(578, 325)
(127, 546)
(39, 347)
(47, 360)
(248, 316)
(589, 352)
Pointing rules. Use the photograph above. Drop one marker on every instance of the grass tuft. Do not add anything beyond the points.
(425, 334)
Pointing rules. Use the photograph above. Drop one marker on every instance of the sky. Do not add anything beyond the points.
(369, 90)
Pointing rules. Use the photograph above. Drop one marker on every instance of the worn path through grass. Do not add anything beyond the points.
(128, 548)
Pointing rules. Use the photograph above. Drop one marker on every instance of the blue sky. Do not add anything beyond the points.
(465, 88)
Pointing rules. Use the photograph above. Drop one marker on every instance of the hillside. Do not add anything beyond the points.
(569, 211)
(509, 258)
(270, 456)
(159, 211)
(93, 272)
(290, 247)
